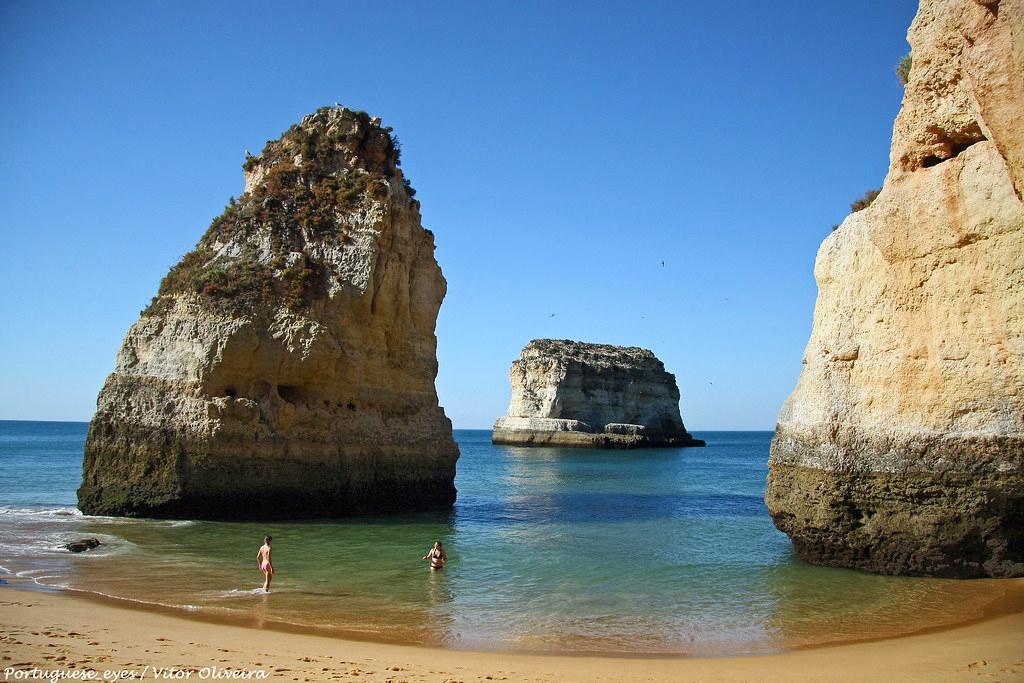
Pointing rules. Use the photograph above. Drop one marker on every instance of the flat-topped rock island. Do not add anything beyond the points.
(570, 393)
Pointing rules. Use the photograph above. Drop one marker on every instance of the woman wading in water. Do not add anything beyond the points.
(437, 556)
(263, 560)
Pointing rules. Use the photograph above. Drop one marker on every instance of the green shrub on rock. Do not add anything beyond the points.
(903, 68)
(865, 201)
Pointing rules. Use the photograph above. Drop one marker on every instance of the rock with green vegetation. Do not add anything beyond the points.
(570, 393)
(901, 450)
(286, 366)
(865, 200)
(903, 68)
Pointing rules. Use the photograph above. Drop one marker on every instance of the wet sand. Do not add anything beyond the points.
(63, 633)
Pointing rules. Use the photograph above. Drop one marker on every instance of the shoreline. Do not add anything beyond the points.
(1011, 602)
(51, 630)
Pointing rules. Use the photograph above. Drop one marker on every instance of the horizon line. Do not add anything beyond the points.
(454, 428)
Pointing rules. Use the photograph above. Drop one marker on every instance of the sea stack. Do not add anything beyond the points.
(901, 450)
(569, 393)
(286, 367)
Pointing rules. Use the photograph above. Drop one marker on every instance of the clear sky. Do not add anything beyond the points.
(656, 174)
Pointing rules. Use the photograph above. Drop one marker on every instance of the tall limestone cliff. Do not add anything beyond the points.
(568, 393)
(902, 448)
(286, 367)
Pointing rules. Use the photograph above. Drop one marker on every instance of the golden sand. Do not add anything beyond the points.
(49, 634)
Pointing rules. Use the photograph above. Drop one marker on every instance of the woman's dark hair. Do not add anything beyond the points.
(268, 539)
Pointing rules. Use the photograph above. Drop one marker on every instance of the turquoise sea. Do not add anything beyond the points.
(666, 551)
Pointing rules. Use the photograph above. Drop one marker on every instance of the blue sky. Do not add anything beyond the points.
(562, 151)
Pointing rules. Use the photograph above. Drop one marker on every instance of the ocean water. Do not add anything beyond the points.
(661, 551)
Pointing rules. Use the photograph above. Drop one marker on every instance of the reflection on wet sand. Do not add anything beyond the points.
(855, 605)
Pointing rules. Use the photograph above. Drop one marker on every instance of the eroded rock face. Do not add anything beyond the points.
(568, 393)
(286, 367)
(901, 449)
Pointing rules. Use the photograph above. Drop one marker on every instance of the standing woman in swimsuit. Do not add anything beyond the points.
(263, 560)
(437, 556)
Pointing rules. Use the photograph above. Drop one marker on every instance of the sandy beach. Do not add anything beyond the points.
(45, 635)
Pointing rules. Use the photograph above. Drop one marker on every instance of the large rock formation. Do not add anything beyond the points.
(902, 448)
(286, 367)
(568, 393)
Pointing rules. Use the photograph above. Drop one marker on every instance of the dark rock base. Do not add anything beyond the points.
(136, 472)
(270, 504)
(953, 525)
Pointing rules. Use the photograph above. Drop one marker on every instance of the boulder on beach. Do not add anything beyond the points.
(82, 544)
